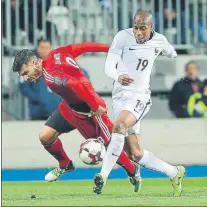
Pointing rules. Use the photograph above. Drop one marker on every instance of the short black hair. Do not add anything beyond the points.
(148, 13)
(139, 11)
(21, 58)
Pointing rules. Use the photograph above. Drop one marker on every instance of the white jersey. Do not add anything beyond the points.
(136, 60)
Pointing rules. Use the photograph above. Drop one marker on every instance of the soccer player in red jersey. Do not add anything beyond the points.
(80, 109)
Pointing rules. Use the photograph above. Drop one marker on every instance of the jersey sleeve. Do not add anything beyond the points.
(76, 50)
(168, 49)
(118, 43)
(114, 56)
(81, 86)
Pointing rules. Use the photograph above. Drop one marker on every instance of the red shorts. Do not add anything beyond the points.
(89, 127)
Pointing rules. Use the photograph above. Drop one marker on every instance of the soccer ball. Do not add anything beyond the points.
(92, 151)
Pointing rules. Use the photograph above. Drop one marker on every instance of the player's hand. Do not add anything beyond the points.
(125, 80)
(99, 111)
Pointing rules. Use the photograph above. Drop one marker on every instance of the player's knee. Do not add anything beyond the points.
(120, 127)
(136, 155)
(46, 138)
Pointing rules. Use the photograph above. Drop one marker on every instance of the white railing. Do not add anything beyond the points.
(70, 21)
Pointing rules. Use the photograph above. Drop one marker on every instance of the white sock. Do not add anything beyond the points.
(150, 161)
(113, 152)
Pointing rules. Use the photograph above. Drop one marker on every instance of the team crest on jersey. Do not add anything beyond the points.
(57, 58)
(60, 82)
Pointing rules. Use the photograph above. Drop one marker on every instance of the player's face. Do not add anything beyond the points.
(192, 71)
(30, 72)
(141, 31)
(44, 49)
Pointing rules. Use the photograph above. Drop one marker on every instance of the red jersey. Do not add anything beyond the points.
(64, 77)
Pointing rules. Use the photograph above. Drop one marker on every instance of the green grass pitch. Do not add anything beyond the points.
(116, 193)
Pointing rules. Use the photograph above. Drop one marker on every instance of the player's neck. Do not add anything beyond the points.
(150, 36)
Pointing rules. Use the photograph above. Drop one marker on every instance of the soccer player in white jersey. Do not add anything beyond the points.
(129, 63)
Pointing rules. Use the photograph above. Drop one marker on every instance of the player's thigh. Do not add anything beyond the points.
(85, 125)
(103, 127)
(133, 138)
(138, 106)
(144, 110)
(81, 122)
(54, 126)
(117, 105)
(122, 118)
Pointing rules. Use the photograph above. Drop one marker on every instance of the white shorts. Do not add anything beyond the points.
(138, 105)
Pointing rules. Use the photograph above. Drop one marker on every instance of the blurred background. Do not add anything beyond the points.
(179, 86)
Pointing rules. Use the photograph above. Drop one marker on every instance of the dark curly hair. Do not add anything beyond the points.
(21, 58)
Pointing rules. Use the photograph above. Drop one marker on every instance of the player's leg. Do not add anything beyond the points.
(135, 180)
(125, 120)
(55, 126)
(148, 159)
(132, 169)
(101, 127)
(151, 161)
(105, 126)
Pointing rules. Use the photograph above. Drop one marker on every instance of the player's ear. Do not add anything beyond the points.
(36, 61)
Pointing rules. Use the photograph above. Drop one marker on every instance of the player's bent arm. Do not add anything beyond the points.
(114, 55)
(110, 66)
(169, 50)
(78, 49)
(82, 88)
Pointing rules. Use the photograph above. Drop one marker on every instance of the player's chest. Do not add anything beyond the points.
(134, 51)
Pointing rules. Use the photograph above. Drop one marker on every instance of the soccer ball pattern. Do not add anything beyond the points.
(92, 151)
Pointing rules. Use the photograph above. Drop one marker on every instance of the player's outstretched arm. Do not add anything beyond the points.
(169, 50)
(76, 50)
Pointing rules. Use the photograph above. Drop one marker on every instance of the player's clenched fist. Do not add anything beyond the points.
(125, 80)
(100, 111)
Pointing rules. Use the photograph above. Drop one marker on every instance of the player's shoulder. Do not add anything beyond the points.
(128, 31)
(53, 59)
(125, 33)
(49, 60)
(159, 36)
